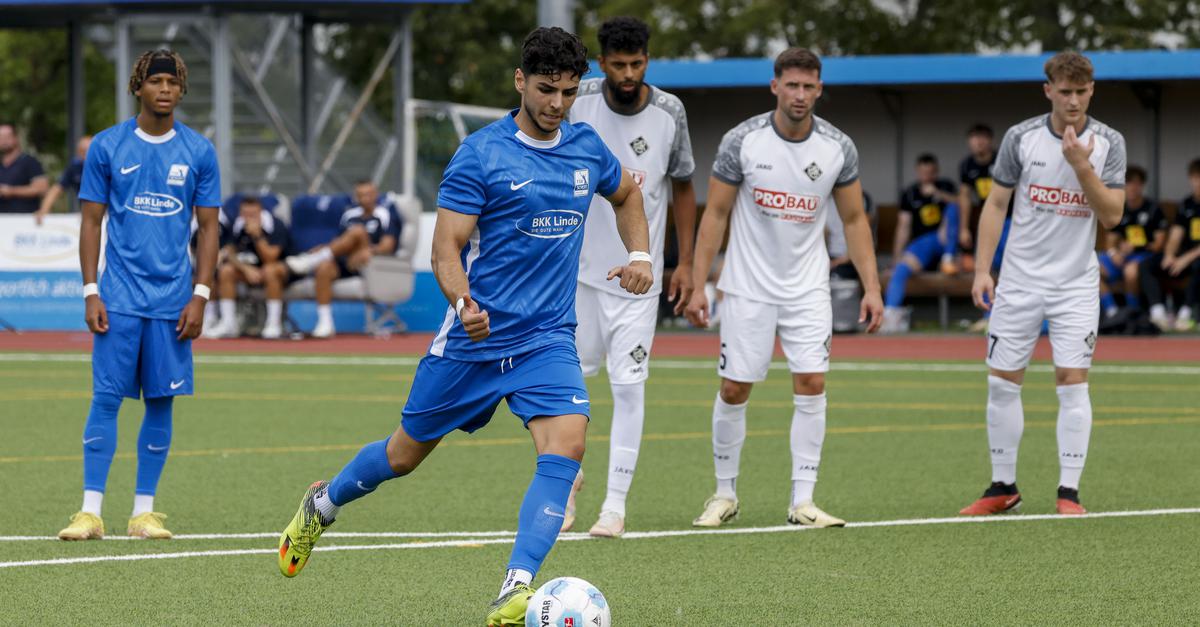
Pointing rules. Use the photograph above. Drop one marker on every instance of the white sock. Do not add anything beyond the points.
(142, 503)
(629, 411)
(323, 254)
(228, 310)
(514, 578)
(274, 313)
(1158, 311)
(1111, 311)
(808, 435)
(729, 433)
(1185, 313)
(1005, 423)
(325, 313)
(325, 506)
(1074, 430)
(210, 312)
(92, 500)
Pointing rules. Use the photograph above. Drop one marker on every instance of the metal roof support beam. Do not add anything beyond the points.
(308, 135)
(355, 113)
(401, 94)
(222, 98)
(250, 75)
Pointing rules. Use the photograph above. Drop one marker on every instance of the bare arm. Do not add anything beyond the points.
(1159, 241)
(386, 246)
(450, 235)
(965, 206)
(684, 206)
(991, 224)
(48, 201)
(95, 314)
(708, 242)
(267, 252)
(861, 246)
(1108, 203)
(1174, 241)
(35, 189)
(636, 277)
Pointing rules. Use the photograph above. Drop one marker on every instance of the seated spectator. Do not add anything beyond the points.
(926, 232)
(22, 179)
(70, 179)
(1180, 259)
(1141, 233)
(250, 255)
(366, 230)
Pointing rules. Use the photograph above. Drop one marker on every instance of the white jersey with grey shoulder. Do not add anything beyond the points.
(777, 248)
(1052, 242)
(653, 146)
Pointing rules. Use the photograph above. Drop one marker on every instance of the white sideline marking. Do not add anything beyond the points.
(477, 538)
(666, 364)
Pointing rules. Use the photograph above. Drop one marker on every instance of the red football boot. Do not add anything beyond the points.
(997, 499)
(1068, 502)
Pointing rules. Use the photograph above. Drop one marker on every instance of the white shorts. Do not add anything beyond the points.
(1016, 323)
(617, 327)
(748, 335)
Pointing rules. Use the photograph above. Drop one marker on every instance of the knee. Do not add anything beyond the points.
(1131, 273)
(1070, 376)
(810, 384)
(327, 271)
(401, 463)
(735, 392)
(227, 273)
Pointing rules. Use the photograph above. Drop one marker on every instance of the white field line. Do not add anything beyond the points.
(666, 364)
(478, 538)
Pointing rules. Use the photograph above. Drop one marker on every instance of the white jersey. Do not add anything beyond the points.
(776, 250)
(653, 146)
(1052, 242)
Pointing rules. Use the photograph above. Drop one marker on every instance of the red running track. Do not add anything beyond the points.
(845, 347)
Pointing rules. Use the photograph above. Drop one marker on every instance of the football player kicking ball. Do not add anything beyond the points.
(1067, 170)
(511, 210)
(146, 175)
(779, 175)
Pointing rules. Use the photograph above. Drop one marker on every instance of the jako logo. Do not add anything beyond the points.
(784, 200)
(155, 205)
(551, 224)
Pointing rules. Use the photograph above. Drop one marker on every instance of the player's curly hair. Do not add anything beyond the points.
(624, 34)
(553, 51)
(1069, 65)
(142, 66)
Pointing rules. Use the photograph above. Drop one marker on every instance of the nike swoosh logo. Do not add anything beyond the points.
(130, 168)
(546, 511)
(363, 487)
(156, 449)
(579, 401)
(90, 440)
(176, 384)
(515, 186)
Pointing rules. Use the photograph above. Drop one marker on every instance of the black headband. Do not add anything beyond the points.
(162, 65)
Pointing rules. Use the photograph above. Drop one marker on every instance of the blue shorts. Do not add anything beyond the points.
(928, 250)
(449, 394)
(1114, 273)
(141, 357)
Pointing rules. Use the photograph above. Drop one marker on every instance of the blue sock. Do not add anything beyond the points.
(1107, 302)
(363, 474)
(100, 440)
(898, 285)
(541, 516)
(1133, 301)
(154, 441)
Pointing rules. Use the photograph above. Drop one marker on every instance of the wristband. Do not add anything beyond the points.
(91, 289)
(202, 290)
(458, 307)
(638, 255)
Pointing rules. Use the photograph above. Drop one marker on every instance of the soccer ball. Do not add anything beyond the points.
(568, 602)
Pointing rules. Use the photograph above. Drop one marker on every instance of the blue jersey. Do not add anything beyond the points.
(522, 262)
(151, 186)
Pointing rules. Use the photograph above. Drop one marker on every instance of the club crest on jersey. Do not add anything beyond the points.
(813, 171)
(582, 186)
(639, 146)
(638, 354)
(177, 175)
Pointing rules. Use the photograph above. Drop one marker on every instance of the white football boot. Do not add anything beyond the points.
(809, 515)
(717, 511)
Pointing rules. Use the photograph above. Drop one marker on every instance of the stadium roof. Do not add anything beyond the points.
(56, 12)
(926, 69)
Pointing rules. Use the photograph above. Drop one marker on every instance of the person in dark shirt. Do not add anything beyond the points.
(1180, 259)
(926, 232)
(1141, 233)
(367, 230)
(22, 179)
(251, 252)
(70, 179)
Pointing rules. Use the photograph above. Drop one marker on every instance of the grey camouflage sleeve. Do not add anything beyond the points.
(849, 172)
(1113, 173)
(1007, 169)
(727, 167)
(682, 163)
